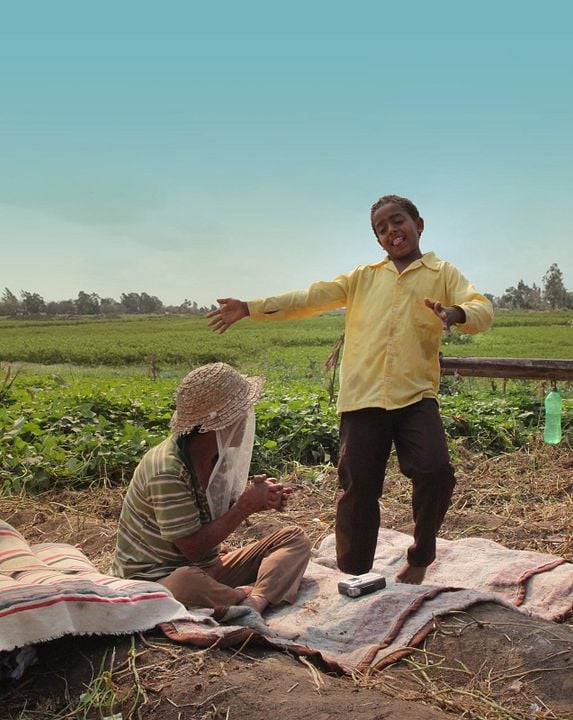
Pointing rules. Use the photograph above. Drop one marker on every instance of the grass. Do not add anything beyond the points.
(293, 348)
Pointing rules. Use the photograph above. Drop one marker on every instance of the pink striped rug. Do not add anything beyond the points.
(52, 589)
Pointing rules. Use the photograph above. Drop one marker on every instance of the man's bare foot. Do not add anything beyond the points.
(245, 589)
(257, 602)
(411, 574)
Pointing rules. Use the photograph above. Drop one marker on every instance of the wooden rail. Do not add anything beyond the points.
(522, 368)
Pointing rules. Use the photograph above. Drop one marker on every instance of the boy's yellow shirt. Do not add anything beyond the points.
(392, 340)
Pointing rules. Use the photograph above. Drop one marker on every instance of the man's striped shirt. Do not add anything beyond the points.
(164, 502)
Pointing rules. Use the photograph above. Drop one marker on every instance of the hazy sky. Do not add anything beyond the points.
(204, 149)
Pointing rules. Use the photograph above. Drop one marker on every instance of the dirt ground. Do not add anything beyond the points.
(488, 662)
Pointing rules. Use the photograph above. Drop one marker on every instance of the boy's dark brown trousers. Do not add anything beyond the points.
(366, 438)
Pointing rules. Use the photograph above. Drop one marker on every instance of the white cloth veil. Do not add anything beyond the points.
(230, 474)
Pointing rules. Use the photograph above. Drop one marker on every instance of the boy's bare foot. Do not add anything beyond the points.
(411, 574)
(257, 602)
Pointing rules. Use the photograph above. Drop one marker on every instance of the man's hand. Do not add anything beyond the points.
(285, 492)
(448, 315)
(263, 494)
(229, 312)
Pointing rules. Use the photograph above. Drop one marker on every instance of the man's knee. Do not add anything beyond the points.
(299, 537)
(293, 536)
(184, 575)
(195, 586)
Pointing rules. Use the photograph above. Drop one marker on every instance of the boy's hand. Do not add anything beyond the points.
(448, 315)
(230, 311)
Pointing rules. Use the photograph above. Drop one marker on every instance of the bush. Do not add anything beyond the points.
(78, 431)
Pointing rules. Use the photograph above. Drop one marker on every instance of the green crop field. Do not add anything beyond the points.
(173, 341)
(77, 405)
(301, 345)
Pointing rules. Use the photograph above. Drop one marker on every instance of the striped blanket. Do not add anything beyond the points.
(539, 584)
(374, 630)
(52, 589)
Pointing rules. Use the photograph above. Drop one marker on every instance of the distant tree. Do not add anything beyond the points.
(522, 297)
(491, 298)
(554, 291)
(130, 302)
(109, 306)
(87, 303)
(510, 298)
(531, 298)
(66, 307)
(32, 303)
(141, 303)
(191, 307)
(61, 307)
(9, 303)
(149, 304)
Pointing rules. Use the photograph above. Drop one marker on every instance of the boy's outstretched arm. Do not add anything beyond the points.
(230, 311)
(452, 315)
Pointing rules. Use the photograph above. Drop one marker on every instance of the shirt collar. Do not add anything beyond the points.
(428, 259)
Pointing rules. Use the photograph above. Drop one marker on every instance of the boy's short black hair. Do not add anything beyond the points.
(406, 205)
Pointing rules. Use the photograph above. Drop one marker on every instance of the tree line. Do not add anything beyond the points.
(31, 304)
(551, 295)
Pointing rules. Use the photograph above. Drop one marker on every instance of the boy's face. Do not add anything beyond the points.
(398, 233)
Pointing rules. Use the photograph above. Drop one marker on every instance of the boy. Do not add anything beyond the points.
(389, 378)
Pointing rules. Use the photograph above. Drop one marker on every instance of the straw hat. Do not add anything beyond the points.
(213, 397)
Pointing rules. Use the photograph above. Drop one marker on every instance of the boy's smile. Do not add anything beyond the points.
(398, 233)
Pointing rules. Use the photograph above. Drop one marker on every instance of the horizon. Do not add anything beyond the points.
(497, 299)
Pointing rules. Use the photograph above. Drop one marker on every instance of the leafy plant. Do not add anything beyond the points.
(6, 381)
(301, 429)
(95, 428)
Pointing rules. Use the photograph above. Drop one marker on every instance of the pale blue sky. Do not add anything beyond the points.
(194, 149)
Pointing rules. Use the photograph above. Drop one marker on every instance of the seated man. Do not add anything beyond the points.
(190, 492)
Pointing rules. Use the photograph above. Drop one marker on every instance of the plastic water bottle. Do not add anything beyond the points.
(553, 405)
